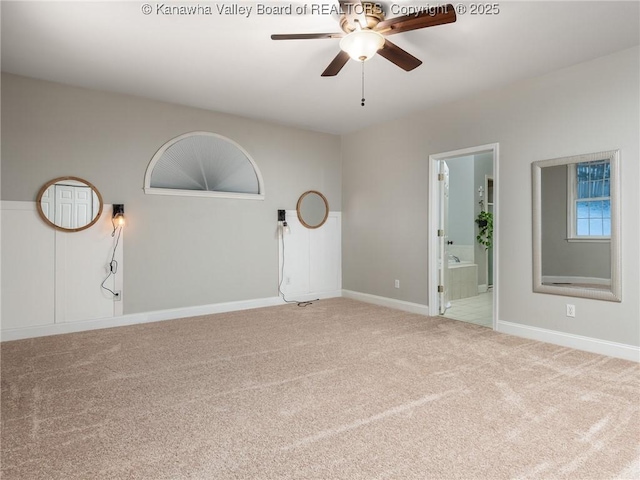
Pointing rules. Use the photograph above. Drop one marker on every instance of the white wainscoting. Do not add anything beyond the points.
(312, 259)
(51, 277)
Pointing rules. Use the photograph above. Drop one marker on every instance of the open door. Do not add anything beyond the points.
(440, 199)
(443, 228)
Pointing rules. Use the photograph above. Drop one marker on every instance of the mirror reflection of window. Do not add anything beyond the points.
(590, 201)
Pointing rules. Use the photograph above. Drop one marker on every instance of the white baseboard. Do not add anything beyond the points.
(387, 302)
(156, 316)
(310, 297)
(588, 344)
(593, 345)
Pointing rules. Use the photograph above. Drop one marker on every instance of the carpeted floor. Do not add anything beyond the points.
(337, 390)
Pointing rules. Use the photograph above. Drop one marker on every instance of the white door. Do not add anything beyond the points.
(74, 206)
(443, 236)
(64, 206)
(83, 206)
(47, 203)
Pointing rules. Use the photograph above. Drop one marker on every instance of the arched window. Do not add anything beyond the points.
(203, 164)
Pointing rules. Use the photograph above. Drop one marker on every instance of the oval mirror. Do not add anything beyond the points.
(313, 209)
(69, 204)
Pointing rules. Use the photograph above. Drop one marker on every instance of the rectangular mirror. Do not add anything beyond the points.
(576, 226)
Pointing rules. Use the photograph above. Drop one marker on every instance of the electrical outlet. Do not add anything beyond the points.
(397, 284)
(287, 280)
(118, 296)
(571, 310)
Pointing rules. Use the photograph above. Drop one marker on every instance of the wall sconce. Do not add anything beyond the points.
(117, 217)
(282, 221)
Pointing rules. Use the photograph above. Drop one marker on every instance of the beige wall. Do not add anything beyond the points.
(180, 251)
(585, 108)
(187, 251)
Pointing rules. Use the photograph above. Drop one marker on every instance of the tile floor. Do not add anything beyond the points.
(478, 309)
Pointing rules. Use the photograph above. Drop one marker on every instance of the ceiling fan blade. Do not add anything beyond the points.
(305, 36)
(336, 64)
(354, 11)
(426, 18)
(401, 58)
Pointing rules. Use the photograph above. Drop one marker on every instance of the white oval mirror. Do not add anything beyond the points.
(313, 209)
(69, 204)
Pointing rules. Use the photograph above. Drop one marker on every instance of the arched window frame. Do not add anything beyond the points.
(148, 189)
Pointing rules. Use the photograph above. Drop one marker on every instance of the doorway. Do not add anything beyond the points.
(463, 240)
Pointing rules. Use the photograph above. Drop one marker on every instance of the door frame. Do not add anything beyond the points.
(434, 208)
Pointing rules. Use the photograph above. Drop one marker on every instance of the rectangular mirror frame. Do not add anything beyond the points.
(614, 294)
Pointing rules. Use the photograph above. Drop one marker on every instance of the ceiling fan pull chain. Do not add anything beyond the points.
(362, 101)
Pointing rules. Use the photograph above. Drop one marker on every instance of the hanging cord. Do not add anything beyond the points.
(362, 100)
(300, 304)
(113, 264)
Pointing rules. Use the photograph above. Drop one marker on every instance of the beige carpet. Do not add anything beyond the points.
(337, 390)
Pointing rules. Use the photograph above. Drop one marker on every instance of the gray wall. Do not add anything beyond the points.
(585, 108)
(560, 257)
(179, 251)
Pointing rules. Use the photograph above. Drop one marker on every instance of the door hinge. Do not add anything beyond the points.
(441, 177)
(441, 233)
(440, 288)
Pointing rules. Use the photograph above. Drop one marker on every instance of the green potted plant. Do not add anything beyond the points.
(485, 232)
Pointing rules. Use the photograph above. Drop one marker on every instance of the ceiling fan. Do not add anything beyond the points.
(365, 30)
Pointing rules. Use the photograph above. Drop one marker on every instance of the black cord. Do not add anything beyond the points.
(300, 304)
(113, 264)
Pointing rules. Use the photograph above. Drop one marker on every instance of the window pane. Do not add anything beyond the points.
(583, 172)
(595, 226)
(583, 227)
(598, 188)
(595, 210)
(593, 217)
(583, 190)
(582, 210)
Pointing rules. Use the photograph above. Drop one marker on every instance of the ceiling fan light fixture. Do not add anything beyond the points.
(361, 45)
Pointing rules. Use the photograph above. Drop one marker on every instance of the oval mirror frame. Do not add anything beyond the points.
(299, 209)
(43, 215)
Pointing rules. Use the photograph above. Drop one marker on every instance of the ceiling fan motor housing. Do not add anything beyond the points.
(372, 11)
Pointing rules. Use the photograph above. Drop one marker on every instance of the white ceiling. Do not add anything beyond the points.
(228, 63)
